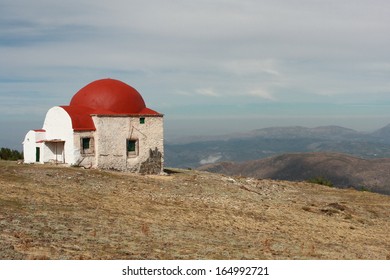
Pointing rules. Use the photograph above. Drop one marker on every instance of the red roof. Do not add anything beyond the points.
(81, 117)
(105, 97)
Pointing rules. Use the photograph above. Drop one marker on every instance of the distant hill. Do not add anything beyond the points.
(340, 169)
(266, 142)
(382, 134)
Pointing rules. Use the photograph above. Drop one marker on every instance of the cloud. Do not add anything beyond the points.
(259, 92)
(210, 159)
(207, 92)
(252, 66)
(180, 52)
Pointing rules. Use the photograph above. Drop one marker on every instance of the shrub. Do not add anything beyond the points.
(321, 181)
(8, 154)
(364, 189)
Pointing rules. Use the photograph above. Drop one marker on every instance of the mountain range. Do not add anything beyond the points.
(192, 152)
(341, 156)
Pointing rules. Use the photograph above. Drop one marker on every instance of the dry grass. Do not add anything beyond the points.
(50, 212)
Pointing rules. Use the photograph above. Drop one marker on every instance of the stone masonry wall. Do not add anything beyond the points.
(111, 137)
(88, 160)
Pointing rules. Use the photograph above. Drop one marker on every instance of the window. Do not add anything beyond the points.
(87, 145)
(132, 147)
(141, 120)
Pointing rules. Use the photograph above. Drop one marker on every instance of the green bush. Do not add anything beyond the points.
(321, 181)
(8, 154)
(364, 189)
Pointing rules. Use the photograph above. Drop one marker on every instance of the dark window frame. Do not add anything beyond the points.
(87, 145)
(132, 147)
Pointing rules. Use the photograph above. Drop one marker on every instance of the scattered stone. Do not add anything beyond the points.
(231, 180)
(337, 206)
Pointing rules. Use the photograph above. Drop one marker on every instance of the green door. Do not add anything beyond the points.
(37, 154)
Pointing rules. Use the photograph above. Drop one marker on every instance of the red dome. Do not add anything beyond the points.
(109, 95)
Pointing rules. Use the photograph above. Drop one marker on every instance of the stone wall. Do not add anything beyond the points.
(153, 165)
(111, 137)
(87, 160)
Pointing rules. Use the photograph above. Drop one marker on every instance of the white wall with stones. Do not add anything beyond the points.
(111, 137)
(86, 159)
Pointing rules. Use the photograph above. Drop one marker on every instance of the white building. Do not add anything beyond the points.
(106, 125)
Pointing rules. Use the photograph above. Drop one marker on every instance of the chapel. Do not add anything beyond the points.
(106, 125)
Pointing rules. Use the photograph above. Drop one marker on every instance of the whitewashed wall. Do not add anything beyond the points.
(30, 144)
(58, 125)
(111, 135)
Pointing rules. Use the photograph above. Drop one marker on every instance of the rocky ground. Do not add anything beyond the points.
(54, 212)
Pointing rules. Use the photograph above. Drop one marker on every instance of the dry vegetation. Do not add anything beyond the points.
(51, 212)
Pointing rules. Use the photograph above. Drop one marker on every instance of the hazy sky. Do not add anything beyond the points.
(211, 66)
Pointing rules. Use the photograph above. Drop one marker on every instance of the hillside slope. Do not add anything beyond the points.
(342, 170)
(50, 212)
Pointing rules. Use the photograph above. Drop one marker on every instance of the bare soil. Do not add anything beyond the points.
(54, 212)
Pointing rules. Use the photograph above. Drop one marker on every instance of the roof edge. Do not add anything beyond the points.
(128, 115)
(84, 129)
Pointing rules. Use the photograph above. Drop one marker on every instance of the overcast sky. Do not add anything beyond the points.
(211, 66)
